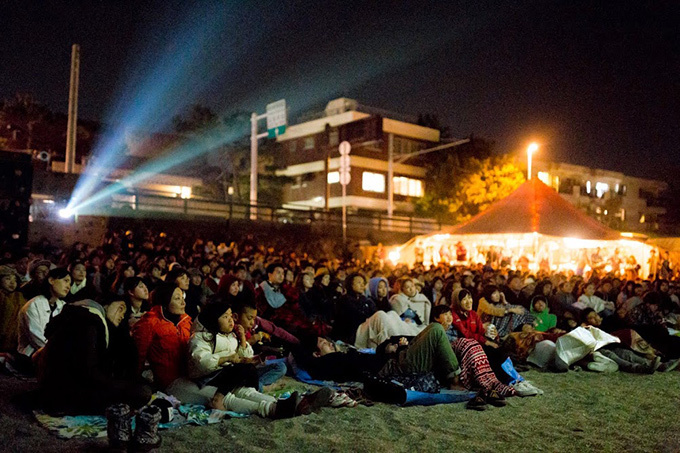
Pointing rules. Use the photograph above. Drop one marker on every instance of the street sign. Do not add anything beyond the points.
(344, 147)
(345, 168)
(276, 118)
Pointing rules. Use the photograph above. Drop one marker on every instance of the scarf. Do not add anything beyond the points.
(274, 297)
(78, 286)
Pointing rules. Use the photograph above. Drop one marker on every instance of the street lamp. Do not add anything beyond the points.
(530, 151)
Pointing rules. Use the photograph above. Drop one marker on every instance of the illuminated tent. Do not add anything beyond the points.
(533, 222)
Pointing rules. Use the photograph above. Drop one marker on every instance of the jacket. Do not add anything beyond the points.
(206, 349)
(420, 304)
(33, 318)
(163, 344)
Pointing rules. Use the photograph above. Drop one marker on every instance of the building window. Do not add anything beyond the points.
(408, 187)
(601, 188)
(333, 177)
(309, 143)
(373, 182)
(544, 176)
(293, 146)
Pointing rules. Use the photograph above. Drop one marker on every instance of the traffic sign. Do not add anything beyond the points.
(276, 118)
(344, 147)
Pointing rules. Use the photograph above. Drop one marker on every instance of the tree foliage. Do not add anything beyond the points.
(228, 163)
(464, 188)
(25, 123)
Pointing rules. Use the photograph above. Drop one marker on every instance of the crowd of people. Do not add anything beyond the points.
(222, 322)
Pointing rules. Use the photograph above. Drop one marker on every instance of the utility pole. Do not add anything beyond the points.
(276, 125)
(72, 125)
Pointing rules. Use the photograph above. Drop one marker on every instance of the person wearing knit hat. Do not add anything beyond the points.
(11, 302)
(37, 270)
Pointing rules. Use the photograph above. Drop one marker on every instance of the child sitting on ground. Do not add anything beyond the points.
(271, 371)
(543, 320)
(223, 358)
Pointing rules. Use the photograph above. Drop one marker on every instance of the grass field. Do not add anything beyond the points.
(580, 411)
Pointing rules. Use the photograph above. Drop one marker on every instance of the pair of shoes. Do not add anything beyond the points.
(287, 408)
(341, 399)
(668, 366)
(494, 398)
(359, 396)
(526, 388)
(478, 403)
(119, 428)
(315, 401)
(602, 364)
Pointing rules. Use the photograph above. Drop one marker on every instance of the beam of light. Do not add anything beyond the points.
(173, 81)
(192, 148)
(159, 86)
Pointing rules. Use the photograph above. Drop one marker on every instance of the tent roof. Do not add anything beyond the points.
(535, 207)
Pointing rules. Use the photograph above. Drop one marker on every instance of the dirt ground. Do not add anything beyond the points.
(579, 412)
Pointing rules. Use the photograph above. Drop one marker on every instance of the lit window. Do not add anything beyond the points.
(588, 188)
(373, 182)
(601, 188)
(309, 143)
(408, 187)
(333, 177)
(623, 214)
(544, 176)
(642, 218)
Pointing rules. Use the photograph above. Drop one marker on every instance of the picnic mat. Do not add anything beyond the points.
(84, 426)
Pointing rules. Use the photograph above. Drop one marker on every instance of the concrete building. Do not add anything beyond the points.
(620, 201)
(309, 154)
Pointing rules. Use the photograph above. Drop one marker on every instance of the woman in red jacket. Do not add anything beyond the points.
(469, 324)
(162, 335)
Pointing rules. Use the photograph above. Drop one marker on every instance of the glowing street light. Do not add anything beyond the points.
(530, 151)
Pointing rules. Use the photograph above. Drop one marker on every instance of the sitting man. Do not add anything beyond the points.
(89, 362)
(274, 304)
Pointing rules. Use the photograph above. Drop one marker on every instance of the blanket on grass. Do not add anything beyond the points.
(413, 398)
(84, 426)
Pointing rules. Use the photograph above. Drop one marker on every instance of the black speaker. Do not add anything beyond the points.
(16, 183)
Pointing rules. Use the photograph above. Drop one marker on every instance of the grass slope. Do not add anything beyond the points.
(580, 411)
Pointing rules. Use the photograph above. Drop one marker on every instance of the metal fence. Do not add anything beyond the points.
(142, 205)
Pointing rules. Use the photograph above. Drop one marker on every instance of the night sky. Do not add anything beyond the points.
(595, 82)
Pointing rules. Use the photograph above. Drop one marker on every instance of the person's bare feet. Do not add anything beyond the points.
(217, 402)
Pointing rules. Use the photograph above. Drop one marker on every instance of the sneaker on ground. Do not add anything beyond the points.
(525, 388)
(602, 364)
(668, 366)
(476, 404)
(315, 401)
(495, 399)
